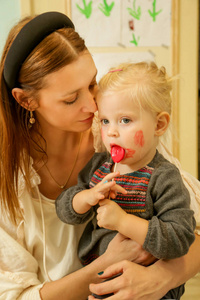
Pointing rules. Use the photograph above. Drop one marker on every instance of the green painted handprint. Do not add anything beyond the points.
(105, 8)
(154, 13)
(136, 13)
(134, 40)
(87, 10)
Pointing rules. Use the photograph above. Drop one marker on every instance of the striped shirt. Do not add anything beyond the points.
(135, 183)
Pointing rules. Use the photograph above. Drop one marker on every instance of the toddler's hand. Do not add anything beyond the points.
(109, 214)
(105, 188)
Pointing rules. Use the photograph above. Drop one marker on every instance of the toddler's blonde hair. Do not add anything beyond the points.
(144, 82)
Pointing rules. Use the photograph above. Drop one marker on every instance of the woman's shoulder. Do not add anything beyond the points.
(34, 179)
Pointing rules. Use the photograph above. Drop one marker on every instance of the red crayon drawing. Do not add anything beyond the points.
(139, 138)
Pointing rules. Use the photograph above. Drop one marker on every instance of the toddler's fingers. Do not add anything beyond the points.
(106, 187)
(118, 188)
(112, 194)
(100, 196)
(110, 176)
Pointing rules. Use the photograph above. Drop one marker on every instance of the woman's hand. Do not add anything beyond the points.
(136, 282)
(121, 248)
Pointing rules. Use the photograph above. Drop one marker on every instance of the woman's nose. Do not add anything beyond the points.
(90, 104)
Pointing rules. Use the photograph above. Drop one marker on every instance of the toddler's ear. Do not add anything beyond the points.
(162, 123)
(24, 99)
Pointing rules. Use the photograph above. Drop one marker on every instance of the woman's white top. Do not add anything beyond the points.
(41, 248)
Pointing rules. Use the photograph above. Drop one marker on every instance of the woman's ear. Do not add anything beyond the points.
(24, 99)
(162, 123)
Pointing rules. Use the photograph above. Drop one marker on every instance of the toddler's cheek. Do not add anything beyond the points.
(139, 138)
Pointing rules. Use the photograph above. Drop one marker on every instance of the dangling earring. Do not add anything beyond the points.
(32, 119)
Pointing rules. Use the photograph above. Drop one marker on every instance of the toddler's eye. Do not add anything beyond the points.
(125, 121)
(104, 121)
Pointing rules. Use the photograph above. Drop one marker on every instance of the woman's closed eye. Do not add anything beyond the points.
(71, 101)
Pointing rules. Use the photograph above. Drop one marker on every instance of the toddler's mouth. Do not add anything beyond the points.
(117, 153)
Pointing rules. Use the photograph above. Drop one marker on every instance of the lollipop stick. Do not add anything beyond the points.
(117, 154)
(115, 167)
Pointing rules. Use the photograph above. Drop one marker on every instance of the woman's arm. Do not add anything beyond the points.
(76, 285)
(149, 283)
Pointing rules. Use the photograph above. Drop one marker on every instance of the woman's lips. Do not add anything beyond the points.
(88, 119)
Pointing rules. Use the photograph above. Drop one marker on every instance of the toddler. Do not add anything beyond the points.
(144, 198)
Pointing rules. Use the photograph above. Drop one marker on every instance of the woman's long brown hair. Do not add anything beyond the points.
(57, 50)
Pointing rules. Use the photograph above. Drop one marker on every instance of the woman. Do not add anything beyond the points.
(47, 107)
(47, 80)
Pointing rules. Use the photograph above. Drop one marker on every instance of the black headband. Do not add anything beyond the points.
(27, 39)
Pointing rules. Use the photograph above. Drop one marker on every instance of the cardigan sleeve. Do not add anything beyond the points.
(64, 207)
(171, 229)
(192, 184)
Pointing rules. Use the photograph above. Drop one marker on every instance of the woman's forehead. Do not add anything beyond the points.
(73, 76)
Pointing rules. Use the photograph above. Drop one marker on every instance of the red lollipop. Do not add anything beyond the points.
(117, 153)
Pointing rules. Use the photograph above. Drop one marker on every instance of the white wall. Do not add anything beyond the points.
(9, 15)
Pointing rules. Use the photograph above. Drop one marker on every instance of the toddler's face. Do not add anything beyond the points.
(126, 124)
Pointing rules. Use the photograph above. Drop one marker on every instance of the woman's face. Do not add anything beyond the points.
(67, 103)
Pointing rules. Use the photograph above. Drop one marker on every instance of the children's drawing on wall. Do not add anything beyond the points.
(98, 21)
(127, 23)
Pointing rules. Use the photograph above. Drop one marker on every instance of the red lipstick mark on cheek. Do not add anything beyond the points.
(129, 153)
(139, 138)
